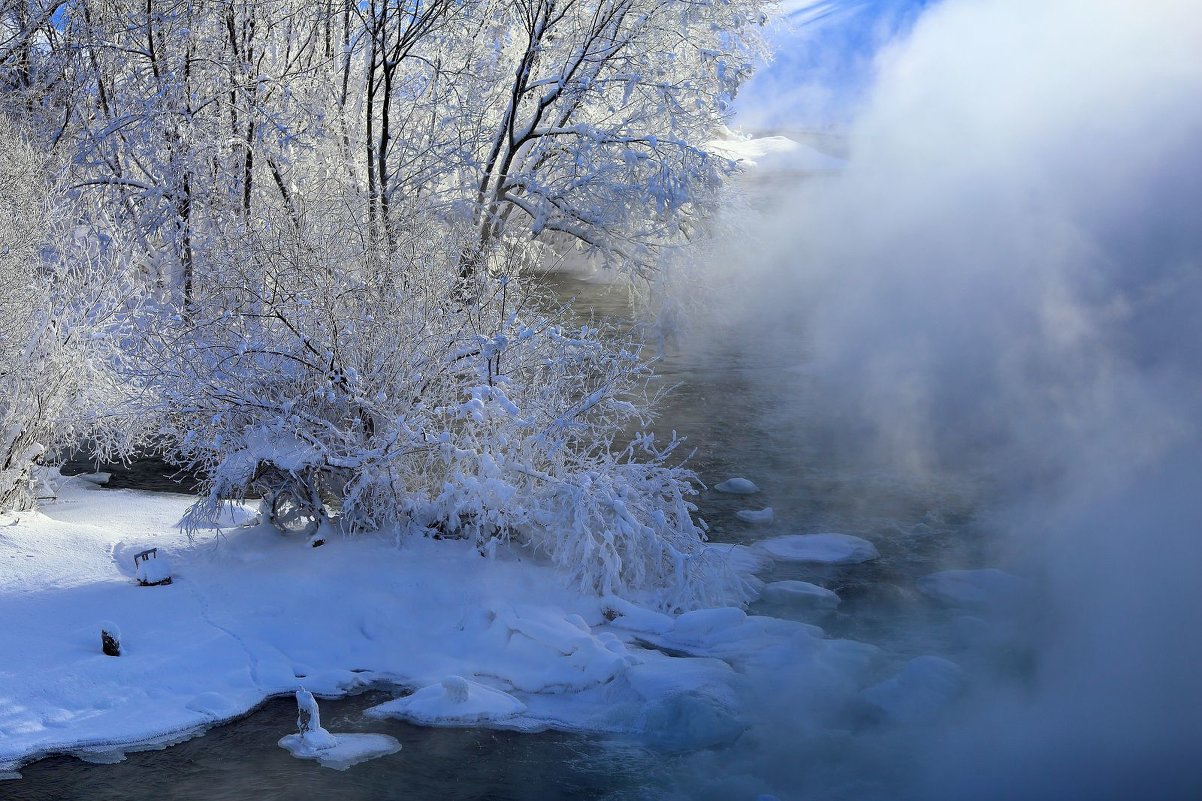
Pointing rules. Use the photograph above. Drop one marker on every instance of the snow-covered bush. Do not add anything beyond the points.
(64, 306)
(424, 405)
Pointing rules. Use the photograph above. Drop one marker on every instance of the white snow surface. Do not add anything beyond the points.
(253, 614)
(830, 549)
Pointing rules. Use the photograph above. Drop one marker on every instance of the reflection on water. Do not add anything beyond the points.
(818, 471)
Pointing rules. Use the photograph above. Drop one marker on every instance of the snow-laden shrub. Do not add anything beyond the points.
(425, 405)
(64, 306)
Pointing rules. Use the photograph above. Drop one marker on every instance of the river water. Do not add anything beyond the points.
(811, 469)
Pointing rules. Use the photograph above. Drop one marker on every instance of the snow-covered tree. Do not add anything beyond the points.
(315, 357)
(64, 307)
(332, 206)
(599, 112)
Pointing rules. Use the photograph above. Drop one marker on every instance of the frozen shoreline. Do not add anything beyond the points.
(252, 615)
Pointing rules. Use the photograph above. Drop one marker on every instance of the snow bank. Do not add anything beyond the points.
(251, 614)
(830, 549)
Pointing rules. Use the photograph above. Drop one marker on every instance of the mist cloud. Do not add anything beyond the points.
(1009, 274)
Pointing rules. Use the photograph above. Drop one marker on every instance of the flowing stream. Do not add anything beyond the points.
(811, 470)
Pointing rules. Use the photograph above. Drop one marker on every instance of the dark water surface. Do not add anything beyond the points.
(243, 761)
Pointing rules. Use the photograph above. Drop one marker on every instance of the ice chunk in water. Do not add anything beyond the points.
(764, 515)
(831, 549)
(337, 751)
(737, 486)
(343, 751)
(799, 593)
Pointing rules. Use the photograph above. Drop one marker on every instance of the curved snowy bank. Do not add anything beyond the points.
(250, 615)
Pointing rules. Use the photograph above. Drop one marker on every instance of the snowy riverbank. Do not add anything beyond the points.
(251, 614)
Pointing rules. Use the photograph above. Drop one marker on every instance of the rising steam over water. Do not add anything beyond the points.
(1006, 282)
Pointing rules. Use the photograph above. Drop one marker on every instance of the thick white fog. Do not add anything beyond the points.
(1008, 278)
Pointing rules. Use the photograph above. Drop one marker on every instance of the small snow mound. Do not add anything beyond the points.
(799, 593)
(737, 486)
(831, 549)
(340, 751)
(979, 588)
(765, 515)
(153, 571)
(923, 689)
(455, 701)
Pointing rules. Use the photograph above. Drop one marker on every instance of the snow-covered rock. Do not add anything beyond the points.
(455, 701)
(987, 587)
(737, 486)
(831, 549)
(765, 515)
(799, 593)
(922, 690)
